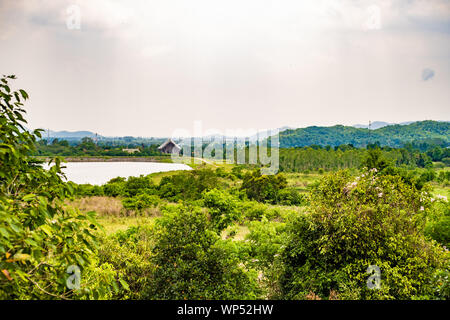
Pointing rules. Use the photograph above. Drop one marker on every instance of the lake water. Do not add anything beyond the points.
(101, 172)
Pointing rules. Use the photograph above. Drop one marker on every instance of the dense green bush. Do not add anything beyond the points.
(441, 284)
(374, 159)
(187, 185)
(443, 177)
(237, 171)
(253, 210)
(356, 222)
(263, 246)
(220, 172)
(223, 208)
(440, 231)
(427, 176)
(88, 190)
(129, 187)
(129, 253)
(291, 197)
(140, 202)
(263, 187)
(438, 226)
(141, 184)
(115, 187)
(191, 262)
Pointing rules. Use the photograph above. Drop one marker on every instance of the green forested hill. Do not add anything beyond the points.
(393, 136)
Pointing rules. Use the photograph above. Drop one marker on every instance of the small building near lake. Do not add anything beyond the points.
(169, 147)
(131, 150)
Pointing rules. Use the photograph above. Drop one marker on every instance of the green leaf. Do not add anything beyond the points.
(115, 286)
(31, 242)
(24, 94)
(47, 229)
(15, 227)
(29, 197)
(4, 232)
(80, 260)
(124, 284)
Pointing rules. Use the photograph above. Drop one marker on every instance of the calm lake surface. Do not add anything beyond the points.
(101, 172)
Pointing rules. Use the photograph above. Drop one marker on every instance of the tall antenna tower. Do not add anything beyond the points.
(370, 128)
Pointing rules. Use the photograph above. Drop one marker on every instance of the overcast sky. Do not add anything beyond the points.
(147, 68)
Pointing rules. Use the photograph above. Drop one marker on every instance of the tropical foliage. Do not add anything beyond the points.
(40, 238)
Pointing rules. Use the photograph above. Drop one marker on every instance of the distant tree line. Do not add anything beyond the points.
(87, 147)
(328, 158)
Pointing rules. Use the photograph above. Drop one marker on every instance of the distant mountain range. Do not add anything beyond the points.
(68, 134)
(380, 124)
(78, 135)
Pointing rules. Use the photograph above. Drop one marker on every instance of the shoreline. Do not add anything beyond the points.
(111, 159)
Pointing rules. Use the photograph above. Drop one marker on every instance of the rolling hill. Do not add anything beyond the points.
(390, 135)
(70, 134)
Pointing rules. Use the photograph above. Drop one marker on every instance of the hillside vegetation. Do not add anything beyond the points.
(393, 135)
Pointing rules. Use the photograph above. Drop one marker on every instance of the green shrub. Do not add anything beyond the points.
(263, 246)
(446, 161)
(129, 254)
(443, 176)
(263, 187)
(237, 171)
(187, 185)
(137, 185)
(220, 172)
(253, 210)
(93, 279)
(191, 262)
(428, 175)
(88, 190)
(222, 208)
(441, 284)
(356, 222)
(114, 189)
(440, 231)
(291, 197)
(438, 226)
(140, 202)
(374, 159)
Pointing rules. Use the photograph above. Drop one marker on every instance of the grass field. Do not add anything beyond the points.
(114, 224)
(112, 215)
